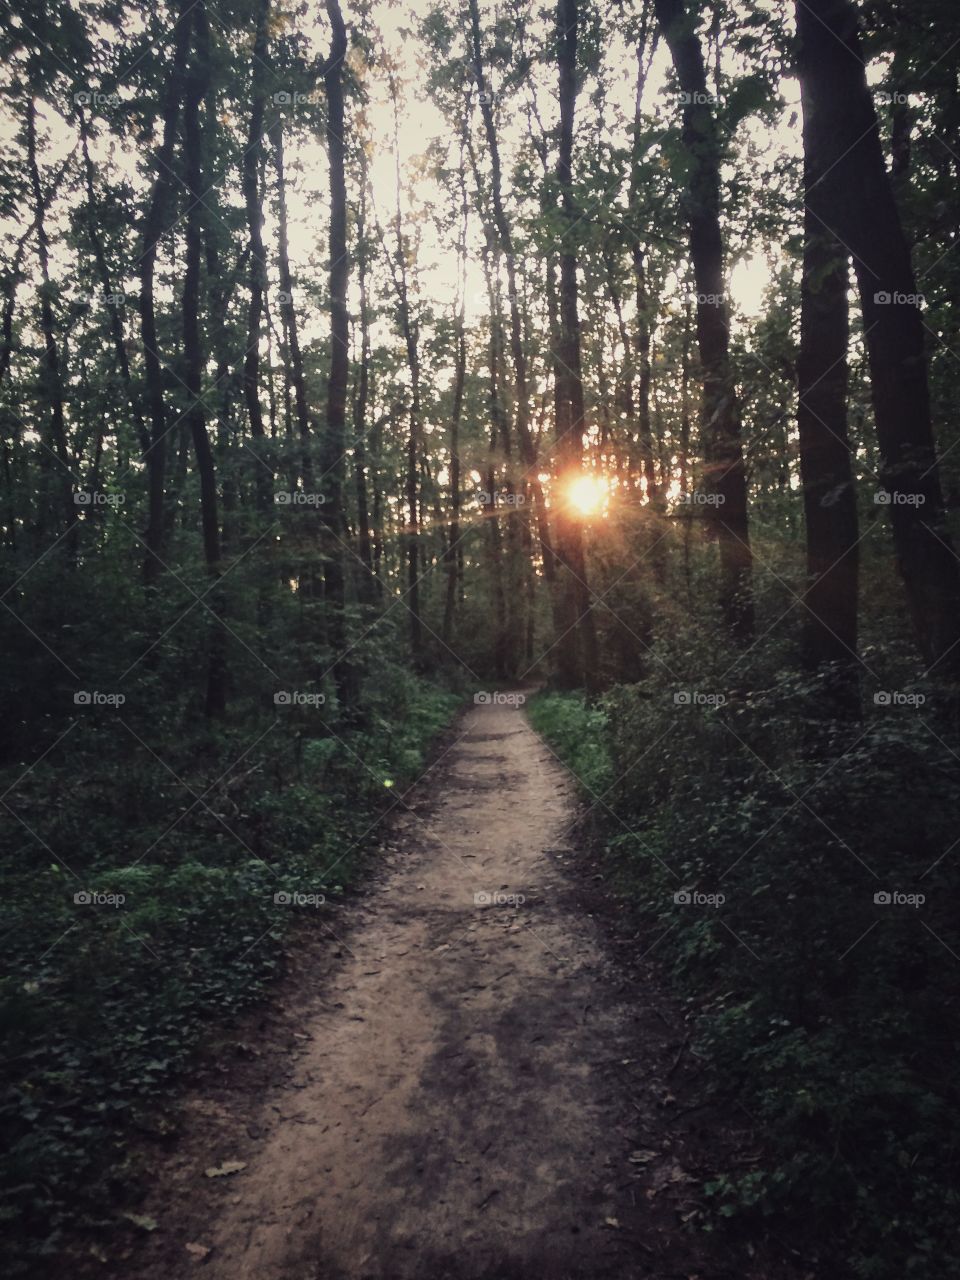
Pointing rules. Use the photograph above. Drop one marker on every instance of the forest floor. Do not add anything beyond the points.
(451, 1085)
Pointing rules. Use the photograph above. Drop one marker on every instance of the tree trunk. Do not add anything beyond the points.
(860, 209)
(263, 471)
(113, 310)
(153, 228)
(577, 654)
(369, 585)
(521, 391)
(829, 641)
(51, 379)
(334, 439)
(723, 447)
(198, 81)
(459, 381)
(288, 303)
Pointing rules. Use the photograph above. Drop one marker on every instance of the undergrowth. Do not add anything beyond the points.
(151, 870)
(830, 1010)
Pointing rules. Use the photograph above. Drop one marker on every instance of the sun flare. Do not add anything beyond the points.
(587, 494)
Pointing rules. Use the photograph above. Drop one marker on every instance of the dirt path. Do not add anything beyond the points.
(468, 1083)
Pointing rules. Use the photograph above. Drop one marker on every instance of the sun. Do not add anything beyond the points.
(587, 494)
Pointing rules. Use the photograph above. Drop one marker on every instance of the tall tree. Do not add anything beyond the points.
(197, 84)
(826, 470)
(859, 207)
(253, 203)
(334, 438)
(720, 415)
(51, 371)
(577, 655)
(154, 225)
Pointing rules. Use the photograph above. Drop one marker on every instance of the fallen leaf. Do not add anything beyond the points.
(611, 1222)
(643, 1157)
(221, 1171)
(141, 1220)
(199, 1252)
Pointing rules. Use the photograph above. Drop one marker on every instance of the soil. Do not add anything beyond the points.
(457, 1079)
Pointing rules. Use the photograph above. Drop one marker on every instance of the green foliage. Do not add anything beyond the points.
(104, 1001)
(577, 731)
(830, 1015)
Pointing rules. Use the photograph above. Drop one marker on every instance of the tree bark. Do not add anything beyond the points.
(369, 584)
(153, 229)
(263, 471)
(51, 379)
(334, 439)
(113, 310)
(723, 447)
(197, 84)
(861, 210)
(577, 653)
(829, 640)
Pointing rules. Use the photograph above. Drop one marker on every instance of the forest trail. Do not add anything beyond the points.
(467, 1085)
